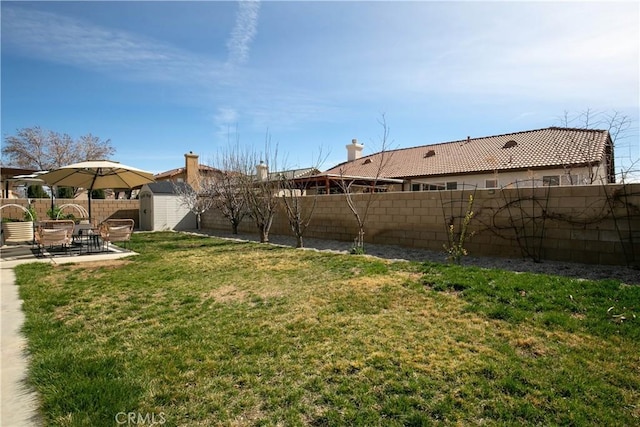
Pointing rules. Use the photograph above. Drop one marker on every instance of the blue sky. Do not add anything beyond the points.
(160, 79)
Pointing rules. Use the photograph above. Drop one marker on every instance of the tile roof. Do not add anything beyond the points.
(293, 173)
(534, 149)
(178, 171)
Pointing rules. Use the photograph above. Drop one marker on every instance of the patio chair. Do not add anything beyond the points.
(116, 230)
(50, 237)
(65, 224)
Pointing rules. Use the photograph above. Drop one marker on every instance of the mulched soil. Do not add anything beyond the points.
(627, 275)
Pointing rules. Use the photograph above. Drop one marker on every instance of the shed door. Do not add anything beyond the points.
(146, 211)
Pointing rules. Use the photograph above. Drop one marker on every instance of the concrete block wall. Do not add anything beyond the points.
(590, 224)
(101, 209)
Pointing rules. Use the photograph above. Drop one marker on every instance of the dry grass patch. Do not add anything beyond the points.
(226, 293)
(96, 265)
(217, 333)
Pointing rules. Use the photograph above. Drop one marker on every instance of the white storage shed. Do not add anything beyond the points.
(160, 208)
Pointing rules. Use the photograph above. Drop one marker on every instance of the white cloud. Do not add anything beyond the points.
(61, 39)
(225, 121)
(539, 51)
(226, 115)
(245, 29)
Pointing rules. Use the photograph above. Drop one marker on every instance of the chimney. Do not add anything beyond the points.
(354, 150)
(192, 170)
(262, 171)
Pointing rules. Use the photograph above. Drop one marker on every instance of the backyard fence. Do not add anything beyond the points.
(597, 224)
(101, 209)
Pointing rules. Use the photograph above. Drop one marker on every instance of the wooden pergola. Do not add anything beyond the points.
(334, 183)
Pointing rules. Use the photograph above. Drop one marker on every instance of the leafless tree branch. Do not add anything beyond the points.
(298, 205)
(35, 148)
(360, 206)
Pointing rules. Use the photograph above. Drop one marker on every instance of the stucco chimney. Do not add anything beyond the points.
(191, 170)
(262, 171)
(354, 150)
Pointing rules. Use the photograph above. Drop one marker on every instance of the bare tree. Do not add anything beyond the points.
(360, 206)
(227, 189)
(35, 148)
(621, 129)
(261, 192)
(588, 152)
(198, 200)
(298, 205)
(90, 147)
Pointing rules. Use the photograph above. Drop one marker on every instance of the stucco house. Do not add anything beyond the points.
(543, 157)
(192, 173)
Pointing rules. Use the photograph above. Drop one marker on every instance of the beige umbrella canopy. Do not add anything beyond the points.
(97, 174)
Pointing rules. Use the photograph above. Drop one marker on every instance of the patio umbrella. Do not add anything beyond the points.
(97, 174)
(32, 179)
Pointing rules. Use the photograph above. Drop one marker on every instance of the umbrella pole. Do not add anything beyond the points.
(89, 197)
(95, 176)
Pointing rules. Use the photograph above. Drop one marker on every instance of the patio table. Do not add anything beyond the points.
(87, 239)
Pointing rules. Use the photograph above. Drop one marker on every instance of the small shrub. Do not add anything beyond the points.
(357, 250)
(455, 247)
(53, 212)
(358, 247)
(30, 214)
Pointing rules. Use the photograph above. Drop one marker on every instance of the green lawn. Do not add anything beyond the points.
(200, 331)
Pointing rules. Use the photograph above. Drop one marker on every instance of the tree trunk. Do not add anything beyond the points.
(234, 227)
(360, 240)
(299, 241)
(264, 235)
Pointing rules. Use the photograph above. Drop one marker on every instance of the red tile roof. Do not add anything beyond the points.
(178, 171)
(543, 148)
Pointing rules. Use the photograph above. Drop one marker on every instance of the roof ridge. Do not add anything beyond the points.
(574, 129)
(459, 141)
(170, 171)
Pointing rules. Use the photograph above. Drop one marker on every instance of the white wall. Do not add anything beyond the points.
(506, 178)
(170, 215)
(164, 212)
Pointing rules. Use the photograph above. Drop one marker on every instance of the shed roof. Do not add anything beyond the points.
(542, 148)
(166, 187)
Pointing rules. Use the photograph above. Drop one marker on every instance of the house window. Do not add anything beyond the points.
(416, 187)
(452, 185)
(550, 180)
(435, 187)
(491, 183)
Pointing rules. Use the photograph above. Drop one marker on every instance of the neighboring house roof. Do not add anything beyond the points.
(166, 187)
(9, 171)
(293, 173)
(179, 171)
(543, 148)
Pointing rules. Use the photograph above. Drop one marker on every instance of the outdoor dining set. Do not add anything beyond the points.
(86, 237)
(82, 238)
